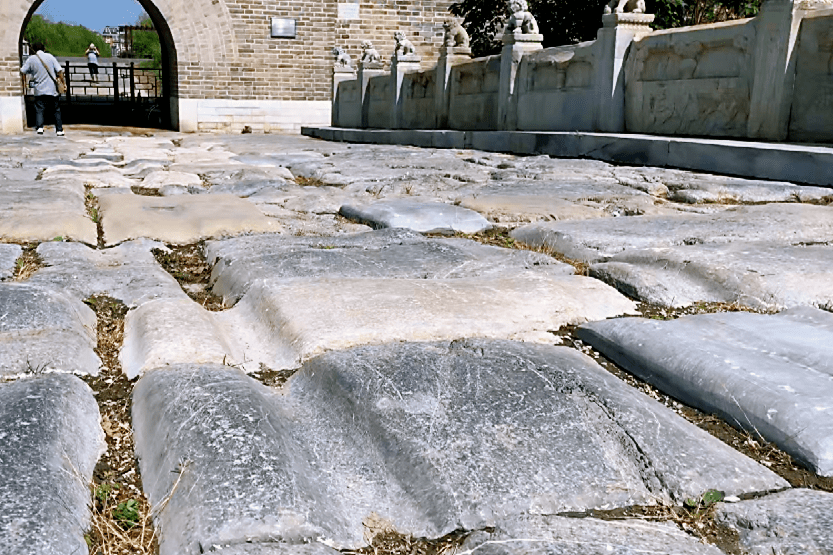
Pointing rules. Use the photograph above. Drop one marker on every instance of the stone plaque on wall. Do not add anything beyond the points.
(348, 10)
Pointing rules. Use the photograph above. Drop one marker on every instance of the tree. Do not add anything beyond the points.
(146, 44)
(571, 21)
(62, 39)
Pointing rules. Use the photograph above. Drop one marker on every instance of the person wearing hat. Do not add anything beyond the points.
(44, 71)
(92, 61)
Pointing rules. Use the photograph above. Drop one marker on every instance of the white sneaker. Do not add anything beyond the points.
(60, 133)
(39, 131)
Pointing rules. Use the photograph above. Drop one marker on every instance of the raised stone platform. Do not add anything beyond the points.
(788, 162)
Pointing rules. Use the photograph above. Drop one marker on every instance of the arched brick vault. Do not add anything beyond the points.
(220, 51)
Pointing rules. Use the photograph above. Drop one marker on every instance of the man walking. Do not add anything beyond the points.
(44, 70)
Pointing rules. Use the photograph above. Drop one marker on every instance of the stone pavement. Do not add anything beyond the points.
(352, 363)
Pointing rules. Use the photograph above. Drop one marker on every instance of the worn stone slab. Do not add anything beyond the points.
(390, 253)
(548, 535)
(598, 240)
(158, 179)
(769, 374)
(760, 275)
(128, 272)
(422, 216)
(179, 219)
(39, 211)
(426, 437)
(95, 176)
(247, 189)
(44, 330)
(8, 257)
(50, 440)
(704, 188)
(791, 522)
(282, 322)
(172, 331)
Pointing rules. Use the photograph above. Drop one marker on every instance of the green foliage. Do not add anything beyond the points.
(570, 21)
(61, 39)
(126, 513)
(146, 45)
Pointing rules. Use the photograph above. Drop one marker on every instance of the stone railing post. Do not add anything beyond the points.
(515, 46)
(400, 65)
(340, 73)
(776, 28)
(449, 57)
(366, 71)
(617, 32)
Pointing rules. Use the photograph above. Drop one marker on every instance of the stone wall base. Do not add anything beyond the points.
(262, 116)
(11, 114)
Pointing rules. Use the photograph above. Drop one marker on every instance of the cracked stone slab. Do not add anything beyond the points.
(597, 240)
(548, 535)
(128, 272)
(44, 330)
(43, 210)
(796, 521)
(391, 253)
(411, 434)
(50, 440)
(179, 219)
(8, 258)
(282, 322)
(422, 216)
(693, 187)
(760, 275)
(769, 374)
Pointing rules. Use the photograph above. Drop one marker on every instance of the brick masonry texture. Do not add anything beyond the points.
(224, 49)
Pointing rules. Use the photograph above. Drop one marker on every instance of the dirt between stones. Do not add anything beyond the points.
(187, 265)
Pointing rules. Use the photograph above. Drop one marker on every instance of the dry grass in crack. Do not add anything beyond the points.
(394, 543)
(93, 211)
(27, 263)
(145, 191)
(186, 263)
(309, 181)
(121, 514)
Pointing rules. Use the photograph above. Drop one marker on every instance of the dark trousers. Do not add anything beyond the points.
(46, 102)
(93, 69)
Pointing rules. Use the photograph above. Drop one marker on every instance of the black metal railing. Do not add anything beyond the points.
(116, 83)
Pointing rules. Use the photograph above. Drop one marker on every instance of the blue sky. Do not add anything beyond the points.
(92, 14)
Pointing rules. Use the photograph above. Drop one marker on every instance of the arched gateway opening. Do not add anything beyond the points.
(125, 93)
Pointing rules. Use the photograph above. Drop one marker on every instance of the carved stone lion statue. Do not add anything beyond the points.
(369, 54)
(622, 6)
(455, 35)
(404, 47)
(521, 21)
(343, 59)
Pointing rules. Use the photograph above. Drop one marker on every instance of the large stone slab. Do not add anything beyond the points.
(760, 275)
(548, 535)
(39, 211)
(179, 219)
(769, 374)
(128, 272)
(50, 440)
(422, 216)
(158, 179)
(282, 322)
(390, 253)
(790, 522)
(44, 330)
(426, 437)
(8, 257)
(598, 240)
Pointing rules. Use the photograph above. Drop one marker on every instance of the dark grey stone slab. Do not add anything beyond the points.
(128, 272)
(422, 216)
(598, 240)
(392, 253)
(792, 522)
(551, 535)
(8, 257)
(767, 373)
(760, 275)
(45, 330)
(50, 440)
(429, 437)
